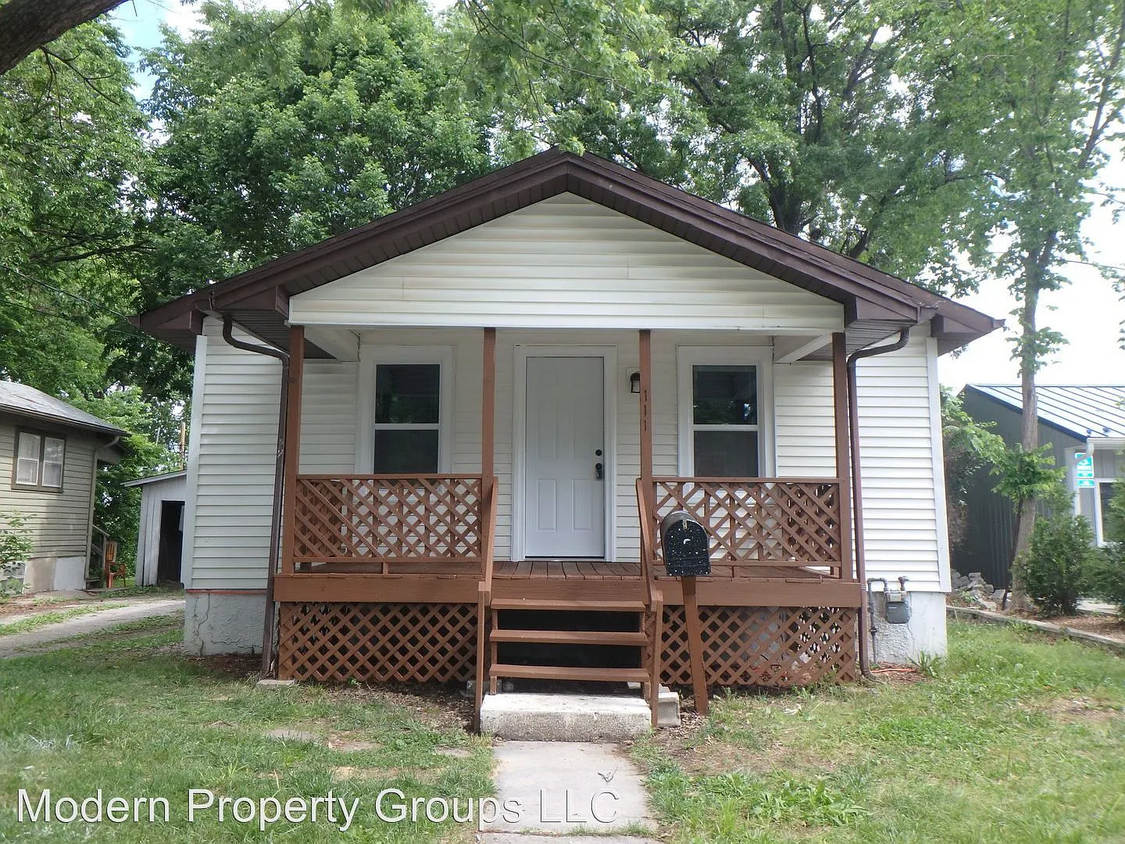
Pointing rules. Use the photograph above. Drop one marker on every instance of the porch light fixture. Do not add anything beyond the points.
(634, 382)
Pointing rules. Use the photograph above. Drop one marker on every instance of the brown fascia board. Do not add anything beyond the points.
(866, 293)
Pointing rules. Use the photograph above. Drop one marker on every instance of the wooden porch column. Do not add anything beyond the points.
(843, 466)
(488, 407)
(292, 444)
(645, 342)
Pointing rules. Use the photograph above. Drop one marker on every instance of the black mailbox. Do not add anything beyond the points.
(685, 546)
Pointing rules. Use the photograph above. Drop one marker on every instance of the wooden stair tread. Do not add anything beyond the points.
(571, 637)
(549, 604)
(566, 672)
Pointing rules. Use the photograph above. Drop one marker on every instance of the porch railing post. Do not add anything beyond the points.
(488, 407)
(843, 471)
(645, 344)
(292, 445)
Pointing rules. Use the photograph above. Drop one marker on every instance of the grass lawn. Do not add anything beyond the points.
(1017, 739)
(128, 714)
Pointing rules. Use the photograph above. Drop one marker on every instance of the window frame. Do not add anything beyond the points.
(43, 437)
(759, 357)
(370, 358)
(1099, 527)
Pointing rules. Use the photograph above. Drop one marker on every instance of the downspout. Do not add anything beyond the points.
(857, 490)
(278, 480)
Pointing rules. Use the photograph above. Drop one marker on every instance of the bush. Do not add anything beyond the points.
(1055, 568)
(1105, 576)
(15, 548)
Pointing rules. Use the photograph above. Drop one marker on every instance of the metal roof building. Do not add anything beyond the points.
(1084, 427)
(1081, 410)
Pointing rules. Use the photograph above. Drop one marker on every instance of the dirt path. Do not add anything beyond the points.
(18, 643)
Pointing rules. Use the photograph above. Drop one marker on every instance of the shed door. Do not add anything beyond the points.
(564, 490)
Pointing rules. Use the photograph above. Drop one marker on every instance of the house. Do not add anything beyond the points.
(492, 398)
(1084, 427)
(49, 457)
(160, 536)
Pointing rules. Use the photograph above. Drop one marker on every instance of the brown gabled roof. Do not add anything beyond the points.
(876, 304)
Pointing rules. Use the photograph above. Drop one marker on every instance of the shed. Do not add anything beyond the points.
(160, 539)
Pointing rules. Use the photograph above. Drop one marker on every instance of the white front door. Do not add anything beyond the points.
(565, 462)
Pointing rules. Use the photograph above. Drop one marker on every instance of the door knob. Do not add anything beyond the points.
(598, 471)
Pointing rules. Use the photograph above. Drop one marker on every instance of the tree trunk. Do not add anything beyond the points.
(26, 25)
(1029, 425)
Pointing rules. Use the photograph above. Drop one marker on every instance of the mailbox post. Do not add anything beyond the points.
(686, 556)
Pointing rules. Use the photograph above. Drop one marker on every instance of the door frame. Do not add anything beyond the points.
(608, 354)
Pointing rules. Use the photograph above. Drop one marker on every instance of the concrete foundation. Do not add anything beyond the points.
(223, 623)
(552, 717)
(899, 644)
(52, 574)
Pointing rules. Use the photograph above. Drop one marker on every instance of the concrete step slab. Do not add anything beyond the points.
(564, 717)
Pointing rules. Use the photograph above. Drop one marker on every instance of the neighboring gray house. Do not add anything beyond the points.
(49, 456)
(1085, 427)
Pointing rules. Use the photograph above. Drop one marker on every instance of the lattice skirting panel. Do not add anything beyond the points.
(763, 646)
(410, 643)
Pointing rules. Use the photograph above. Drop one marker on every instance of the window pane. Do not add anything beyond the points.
(1105, 491)
(53, 461)
(407, 392)
(27, 462)
(726, 454)
(725, 395)
(406, 452)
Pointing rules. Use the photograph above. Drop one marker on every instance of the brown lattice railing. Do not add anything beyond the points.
(755, 523)
(390, 520)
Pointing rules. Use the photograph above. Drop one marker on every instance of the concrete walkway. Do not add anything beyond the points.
(47, 637)
(550, 789)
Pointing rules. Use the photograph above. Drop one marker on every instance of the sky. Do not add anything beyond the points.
(1088, 312)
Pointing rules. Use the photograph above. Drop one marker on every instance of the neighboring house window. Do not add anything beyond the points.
(723, 423)
(39, 461)
(1101, 512)
(407, 418)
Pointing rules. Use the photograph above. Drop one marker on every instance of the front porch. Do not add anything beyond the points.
(395, 577)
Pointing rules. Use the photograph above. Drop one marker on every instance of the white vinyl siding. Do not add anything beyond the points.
(59, 520)
(232, 461)
(903, 496)
(803, 418)
(565, 262)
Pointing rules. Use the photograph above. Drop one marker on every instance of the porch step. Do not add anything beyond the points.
(571, 637)
(550, 604)
(558, 717)
(565, 672)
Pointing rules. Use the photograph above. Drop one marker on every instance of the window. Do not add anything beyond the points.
(721, 414)
(39, 461)
(1105, 491)
(407, 418)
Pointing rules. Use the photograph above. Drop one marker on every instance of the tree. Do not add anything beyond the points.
(1032, 90)
(792, 112)
(150, 448)
(69, 151)
(27, 25)
(282, 129)
(968, 447)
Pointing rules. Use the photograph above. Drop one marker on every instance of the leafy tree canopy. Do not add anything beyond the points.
(797, 113)
(70, 145)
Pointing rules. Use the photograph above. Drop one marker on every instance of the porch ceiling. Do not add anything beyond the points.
(876, 304)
